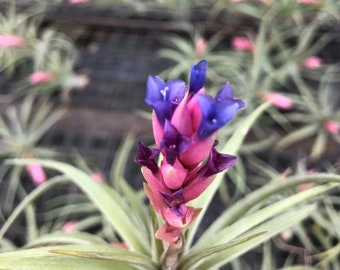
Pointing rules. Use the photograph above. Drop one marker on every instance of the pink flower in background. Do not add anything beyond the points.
(69, 226)
(308, 2)
(9, 40)
(312, 62)
(279, 101)
(36, 172)
(236, 1)
(304, 187)
(97, 177)
(332, 126)
(242, 44)
(40, 77)
(119, 245)
(201, 46)
(73, 2)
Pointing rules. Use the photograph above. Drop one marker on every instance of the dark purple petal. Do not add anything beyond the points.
(173, 142)
(146, 156)
(175, 202)
(217, 163)
(215, 113)
(197, 76)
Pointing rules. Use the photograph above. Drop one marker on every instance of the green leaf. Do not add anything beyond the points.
(254, 219)
(26, 202)
(297, 135)
(108, 201)
(110, 254)
(210, 251)
(236, 211)
(70, 257)
(65, 238)
(272, 228)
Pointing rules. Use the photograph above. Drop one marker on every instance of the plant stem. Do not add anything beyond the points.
(171, 254)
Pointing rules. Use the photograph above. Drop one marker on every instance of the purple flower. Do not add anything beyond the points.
(175, 201)
(217, 112)
(216, 163)
(173, 142)
(164, 97)
(146, 156)
(197, 76)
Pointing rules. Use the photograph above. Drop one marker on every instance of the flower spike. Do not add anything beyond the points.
(185, 127)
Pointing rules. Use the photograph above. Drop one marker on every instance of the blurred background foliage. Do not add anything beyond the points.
(284, 52)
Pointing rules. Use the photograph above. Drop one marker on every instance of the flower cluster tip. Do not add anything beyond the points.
(185, 125)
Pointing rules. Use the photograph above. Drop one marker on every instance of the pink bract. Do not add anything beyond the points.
(279, 101)
(97, 177)
(308, 2)
(40, 77)
(312, 62)
(73, 2)
(332, 126)
(242, 44)
(201, 47)
(8, 40)
(69, 226)
(36, 172)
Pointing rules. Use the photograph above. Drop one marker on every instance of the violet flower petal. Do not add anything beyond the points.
(217, 112)
(197, 76)
(173, 142)
(164, 97)
(216, 163)
(146, 156)
(175, 202)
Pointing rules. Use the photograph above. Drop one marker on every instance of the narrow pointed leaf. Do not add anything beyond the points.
(41, 258)
(272, 228)
(254, 219)
(242, 207)
(65, 238)
(108, 201)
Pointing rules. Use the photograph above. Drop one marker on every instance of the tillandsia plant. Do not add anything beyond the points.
(185, 127)
(53, 57)
(42, 58)
(180, 188)
(20, 132)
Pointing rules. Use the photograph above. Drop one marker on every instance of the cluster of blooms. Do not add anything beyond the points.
(185, 125)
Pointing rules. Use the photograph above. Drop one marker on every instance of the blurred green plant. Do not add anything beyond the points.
(21, 130)
(108, 224)
(275, 65)
(246, 224)
(42, 59)
(52, 67)
(17, 32)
